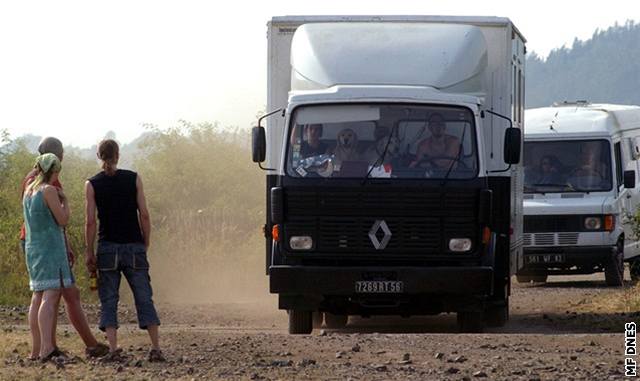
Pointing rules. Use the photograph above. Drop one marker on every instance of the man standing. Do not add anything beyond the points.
(71, 295)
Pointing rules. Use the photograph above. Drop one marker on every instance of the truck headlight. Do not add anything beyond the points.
(301, 242)
(592, 223)
(460, 244)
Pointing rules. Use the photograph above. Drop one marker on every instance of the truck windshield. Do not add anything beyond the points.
(567, 166)
(382, 141)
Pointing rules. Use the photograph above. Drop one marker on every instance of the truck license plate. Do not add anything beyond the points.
(546, 258)
(379, 287)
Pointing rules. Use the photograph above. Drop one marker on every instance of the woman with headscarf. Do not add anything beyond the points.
(46, 212)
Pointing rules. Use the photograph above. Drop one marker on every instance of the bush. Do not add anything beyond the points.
(206, 202)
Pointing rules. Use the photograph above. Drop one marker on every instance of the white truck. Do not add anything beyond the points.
(392, 153)
(581, 161)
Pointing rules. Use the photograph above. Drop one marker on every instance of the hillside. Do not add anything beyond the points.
(601, 69)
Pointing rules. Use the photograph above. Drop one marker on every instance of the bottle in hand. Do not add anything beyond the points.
(93, 281)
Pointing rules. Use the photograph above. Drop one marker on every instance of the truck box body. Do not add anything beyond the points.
(383, 83)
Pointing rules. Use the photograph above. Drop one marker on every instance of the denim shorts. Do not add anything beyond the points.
(130, 260)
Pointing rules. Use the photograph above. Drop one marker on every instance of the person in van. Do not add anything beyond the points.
(546, 173)
(590, 171)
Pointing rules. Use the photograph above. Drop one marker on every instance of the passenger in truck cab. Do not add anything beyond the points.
(310, 143)
(313, 146)
(435, 151)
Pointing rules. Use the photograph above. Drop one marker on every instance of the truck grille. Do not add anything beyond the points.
(418, 221)
(550, 239)
(553, 224)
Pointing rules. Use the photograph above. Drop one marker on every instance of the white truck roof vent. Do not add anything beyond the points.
(449, 57)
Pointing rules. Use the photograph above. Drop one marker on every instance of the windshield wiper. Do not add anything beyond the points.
(380, 157)
(453, 162)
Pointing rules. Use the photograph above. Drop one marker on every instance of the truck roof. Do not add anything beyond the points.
(581, 119)
(474, 20)
(448, 57)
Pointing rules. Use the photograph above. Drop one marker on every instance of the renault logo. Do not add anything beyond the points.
(373, 234)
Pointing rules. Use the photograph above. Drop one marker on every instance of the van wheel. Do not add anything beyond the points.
(497, 316)
(335, 321)
(634, 269)
(470, 321)
(614, 270)
(300, 322)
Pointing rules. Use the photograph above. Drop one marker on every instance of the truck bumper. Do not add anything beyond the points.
(560, 259)
(417, 280)
(425, 290)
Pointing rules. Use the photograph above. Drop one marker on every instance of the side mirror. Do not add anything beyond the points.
(630, 179)
(512, 145)
(258, 144)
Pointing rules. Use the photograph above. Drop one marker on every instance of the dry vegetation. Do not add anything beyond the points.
(206, 202)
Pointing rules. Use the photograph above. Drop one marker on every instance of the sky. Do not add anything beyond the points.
(77, 69)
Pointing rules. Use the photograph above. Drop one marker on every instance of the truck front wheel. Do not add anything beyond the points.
(300, 322)
(497, 315)
(470, 321)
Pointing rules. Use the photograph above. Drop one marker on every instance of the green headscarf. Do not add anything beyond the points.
(46, 165)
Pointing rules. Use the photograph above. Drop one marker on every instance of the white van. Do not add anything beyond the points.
(580, 188)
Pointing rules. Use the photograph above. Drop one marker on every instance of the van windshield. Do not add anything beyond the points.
(567, 166)
(382, 141)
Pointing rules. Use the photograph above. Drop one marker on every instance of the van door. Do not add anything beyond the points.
(629, 198)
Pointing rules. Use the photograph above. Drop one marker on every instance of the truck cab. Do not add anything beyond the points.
(392, 184)
(580, 190)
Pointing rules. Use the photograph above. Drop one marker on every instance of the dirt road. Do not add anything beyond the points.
(547, 338)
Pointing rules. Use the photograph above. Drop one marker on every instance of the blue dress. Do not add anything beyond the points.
(45, 248)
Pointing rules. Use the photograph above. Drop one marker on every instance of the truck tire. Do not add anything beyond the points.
(317, 318)
(335, 321)
(300, 322)
(470, 321)
(497, 315)
(531, 278)
(614, 270)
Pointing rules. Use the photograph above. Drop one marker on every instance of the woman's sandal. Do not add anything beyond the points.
(53, 354)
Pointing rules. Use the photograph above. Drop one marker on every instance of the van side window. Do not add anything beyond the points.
(618, 153)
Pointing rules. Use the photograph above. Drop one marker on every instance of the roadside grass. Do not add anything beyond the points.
(625, 300)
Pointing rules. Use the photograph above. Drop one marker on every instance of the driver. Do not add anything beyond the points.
(590, 164)
(437, 148)
(590, 171)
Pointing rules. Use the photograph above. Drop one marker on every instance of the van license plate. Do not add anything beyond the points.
(379, 287)
(546, 258)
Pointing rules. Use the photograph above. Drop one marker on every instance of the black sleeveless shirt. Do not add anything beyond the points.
(116, 199)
